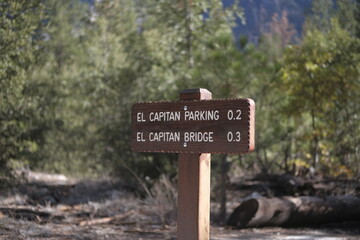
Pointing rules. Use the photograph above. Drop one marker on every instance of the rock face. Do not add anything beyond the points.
(259, 13)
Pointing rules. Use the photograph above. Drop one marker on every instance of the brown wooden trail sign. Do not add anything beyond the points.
(194, 127)
(208, 126)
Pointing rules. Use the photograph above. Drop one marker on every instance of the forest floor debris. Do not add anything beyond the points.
(106, 209)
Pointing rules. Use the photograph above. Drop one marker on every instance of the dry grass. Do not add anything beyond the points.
(163, 200)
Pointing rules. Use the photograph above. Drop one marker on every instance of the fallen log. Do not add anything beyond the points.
(25, 214)
(295, 211)
(106, 219)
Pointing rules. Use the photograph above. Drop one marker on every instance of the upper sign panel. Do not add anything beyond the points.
(205, 126)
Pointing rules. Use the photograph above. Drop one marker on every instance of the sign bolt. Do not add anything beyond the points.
(185, 108)
(185, 144)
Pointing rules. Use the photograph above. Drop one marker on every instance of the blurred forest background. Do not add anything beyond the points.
(70, 71)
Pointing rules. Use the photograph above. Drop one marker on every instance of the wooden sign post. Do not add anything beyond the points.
(193, 220)
(194, 127)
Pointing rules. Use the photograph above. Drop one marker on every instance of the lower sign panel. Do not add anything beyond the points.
(206, 126)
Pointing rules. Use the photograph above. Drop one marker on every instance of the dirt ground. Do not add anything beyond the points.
(56, 208)
(19, 230)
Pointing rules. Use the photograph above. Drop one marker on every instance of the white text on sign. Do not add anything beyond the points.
(208, 115)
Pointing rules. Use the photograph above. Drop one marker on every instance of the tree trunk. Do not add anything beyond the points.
(224, 169)
(295, 211)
